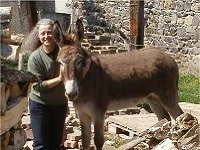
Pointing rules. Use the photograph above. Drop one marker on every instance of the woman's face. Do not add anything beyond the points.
(46, 35)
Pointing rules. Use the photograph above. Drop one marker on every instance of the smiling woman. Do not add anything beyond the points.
(47, 101)
(46, 37)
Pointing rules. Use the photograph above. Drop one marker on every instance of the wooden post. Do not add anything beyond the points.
(21, 62)
(140, 35)
(134, 7)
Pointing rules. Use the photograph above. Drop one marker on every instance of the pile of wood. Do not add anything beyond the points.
(184, 134)
(12, 107)
(14, 102)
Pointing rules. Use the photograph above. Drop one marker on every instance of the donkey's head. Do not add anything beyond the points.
(72, 58)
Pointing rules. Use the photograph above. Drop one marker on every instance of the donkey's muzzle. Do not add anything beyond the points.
(71, 96)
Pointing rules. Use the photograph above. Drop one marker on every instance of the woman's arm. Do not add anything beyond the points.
(55, 81)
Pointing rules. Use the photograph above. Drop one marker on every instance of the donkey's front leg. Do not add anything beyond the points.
(85, 122)
(99, 131)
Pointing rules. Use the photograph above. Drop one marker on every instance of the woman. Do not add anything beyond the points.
(47, 101)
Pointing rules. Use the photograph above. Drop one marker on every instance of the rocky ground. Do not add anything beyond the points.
(122, 128)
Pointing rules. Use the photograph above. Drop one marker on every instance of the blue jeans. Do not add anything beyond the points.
(47, 123)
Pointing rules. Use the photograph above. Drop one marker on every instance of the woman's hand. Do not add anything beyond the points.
(60, 76)
(55, 81)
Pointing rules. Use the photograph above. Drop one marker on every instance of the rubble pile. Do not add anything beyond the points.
(180, 134)
(183, 134)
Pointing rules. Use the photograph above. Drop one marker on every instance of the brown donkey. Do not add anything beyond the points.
(115, 81)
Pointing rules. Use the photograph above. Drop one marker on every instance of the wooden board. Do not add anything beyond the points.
(13, 113)
(136, 122)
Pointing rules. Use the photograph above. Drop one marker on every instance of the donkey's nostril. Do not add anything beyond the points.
(71, 96)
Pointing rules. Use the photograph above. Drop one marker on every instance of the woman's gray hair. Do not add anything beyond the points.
(32, 42)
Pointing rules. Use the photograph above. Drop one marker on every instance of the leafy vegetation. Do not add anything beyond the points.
(9, 64)
(14, 65)
(189, 88)
(116, 140)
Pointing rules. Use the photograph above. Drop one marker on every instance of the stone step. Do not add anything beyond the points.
(86, 45)
(105, 49)
(99, 40)
(90, 35)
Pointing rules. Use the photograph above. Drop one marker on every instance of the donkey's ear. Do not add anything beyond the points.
(79, 30)
(58, 34)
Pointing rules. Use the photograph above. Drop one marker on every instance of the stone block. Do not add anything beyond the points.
(92, 145)
(10, 52)
(69, 129)
(74, 136)
(70, 144)
(26, 123)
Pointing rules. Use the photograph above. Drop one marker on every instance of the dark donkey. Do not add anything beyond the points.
(115, 81)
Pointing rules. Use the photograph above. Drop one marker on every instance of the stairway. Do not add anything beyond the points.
(100, 44)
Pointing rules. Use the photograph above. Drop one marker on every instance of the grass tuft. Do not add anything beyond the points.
(189, 88)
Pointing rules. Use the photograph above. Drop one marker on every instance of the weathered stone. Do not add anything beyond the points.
(196, 20)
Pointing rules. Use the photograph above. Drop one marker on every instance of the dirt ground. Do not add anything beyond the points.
(138, 122)
(143, 120)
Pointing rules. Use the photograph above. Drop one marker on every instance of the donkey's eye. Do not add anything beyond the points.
(79, 63)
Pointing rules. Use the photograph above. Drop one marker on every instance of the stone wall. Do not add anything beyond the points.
(110, 18)
(173, 25)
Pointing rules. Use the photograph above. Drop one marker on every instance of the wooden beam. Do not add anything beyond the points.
(134, 8)
(13, 113)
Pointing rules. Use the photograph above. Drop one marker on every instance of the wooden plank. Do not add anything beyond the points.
(3, 98)
(4, 140)
(13, 114)
(14, 91)
(131, 121)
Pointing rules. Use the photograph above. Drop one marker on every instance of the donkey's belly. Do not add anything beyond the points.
(115, 104)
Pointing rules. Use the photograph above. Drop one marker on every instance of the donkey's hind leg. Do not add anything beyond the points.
(170, 103)
(155, 105)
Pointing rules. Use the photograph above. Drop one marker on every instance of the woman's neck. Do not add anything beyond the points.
(48, 49)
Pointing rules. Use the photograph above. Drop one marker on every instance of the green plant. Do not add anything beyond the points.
(14, 65)
(9, 64)
(189, 88)
(117, 141)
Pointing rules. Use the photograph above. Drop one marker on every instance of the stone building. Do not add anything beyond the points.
(173, 25)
